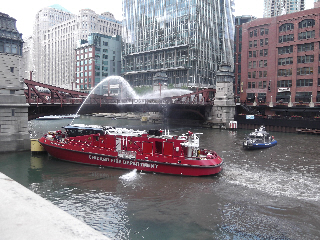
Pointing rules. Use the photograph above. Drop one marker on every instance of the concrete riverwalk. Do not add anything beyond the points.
(25, 215)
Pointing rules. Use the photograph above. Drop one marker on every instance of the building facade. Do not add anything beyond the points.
(14, 135)
(55, 36)
(274, 8)
(96, 59)
(187, 40)
(281, 60)
(239, 20)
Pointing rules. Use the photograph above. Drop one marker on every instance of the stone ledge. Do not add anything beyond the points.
(25, 215)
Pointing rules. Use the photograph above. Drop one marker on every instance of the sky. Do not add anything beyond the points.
(25, 11)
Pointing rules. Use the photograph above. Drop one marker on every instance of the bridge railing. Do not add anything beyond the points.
(79, 101)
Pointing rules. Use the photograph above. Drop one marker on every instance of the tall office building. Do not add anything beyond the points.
(55, 36)
(186, 40)
(274, 8)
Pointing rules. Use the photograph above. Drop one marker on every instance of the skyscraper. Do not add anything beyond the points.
(56, 34)
(274, 8)
(185, 39)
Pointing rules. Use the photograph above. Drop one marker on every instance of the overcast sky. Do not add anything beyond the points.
(24, 11)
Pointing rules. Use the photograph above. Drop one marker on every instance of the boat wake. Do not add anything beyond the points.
(130, 176)
(290, 184)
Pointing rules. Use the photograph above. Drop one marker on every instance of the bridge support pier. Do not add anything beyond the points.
(14, 135)
(223, 110)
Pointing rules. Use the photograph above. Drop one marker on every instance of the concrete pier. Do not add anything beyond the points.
(25, 215)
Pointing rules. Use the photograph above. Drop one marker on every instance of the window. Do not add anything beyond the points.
(305, 47)
(286, 38)
(283, 96)
(285, 61)
(305, 71)
(254, 74)
(285, 72)
(304, 82)
(306, 23)
(305, 59)
(285, 50)
(250, 97)
(261, 53)
(13, 112)
(284, 83)
(254, 64)
(12, 69)
(286, 27)
(306, 35)
(303, 96)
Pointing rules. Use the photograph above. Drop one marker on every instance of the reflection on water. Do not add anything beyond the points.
(265, 194)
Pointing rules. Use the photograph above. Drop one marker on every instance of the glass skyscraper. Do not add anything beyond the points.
(186, 39)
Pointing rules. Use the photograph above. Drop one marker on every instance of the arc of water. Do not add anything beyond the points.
(125, 84)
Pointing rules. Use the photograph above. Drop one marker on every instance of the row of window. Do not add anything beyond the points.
(84, 50)
(299, 83)
(262, 63)
(254, 74)
(283, 83)
(260, 84)
(84, 62)
(300, 71)
(300, 96)
(300, 59)
(301, 48)
(85, 68)
(83, 80)
(303, 24)
(263, 31)
(257, 53)
(84, 74)
(83, 56)
(263, 42)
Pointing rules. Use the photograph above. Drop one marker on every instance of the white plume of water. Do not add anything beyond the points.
(165, 93)
(124, 83)
(129, 176)
(128, 90)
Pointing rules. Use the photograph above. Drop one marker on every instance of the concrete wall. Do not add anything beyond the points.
(14, 135)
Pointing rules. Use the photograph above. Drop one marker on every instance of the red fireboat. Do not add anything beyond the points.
(149, 151)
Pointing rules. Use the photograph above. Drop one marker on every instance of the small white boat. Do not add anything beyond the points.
(259, 139)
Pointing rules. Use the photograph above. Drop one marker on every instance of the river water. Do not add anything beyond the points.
(264, 194)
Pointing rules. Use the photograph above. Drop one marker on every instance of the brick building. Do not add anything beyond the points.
(280, 61)
(96, 59)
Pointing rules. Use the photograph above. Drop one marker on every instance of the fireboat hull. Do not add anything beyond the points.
(146, 165)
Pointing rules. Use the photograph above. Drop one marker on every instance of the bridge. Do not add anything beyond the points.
(44, 99)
